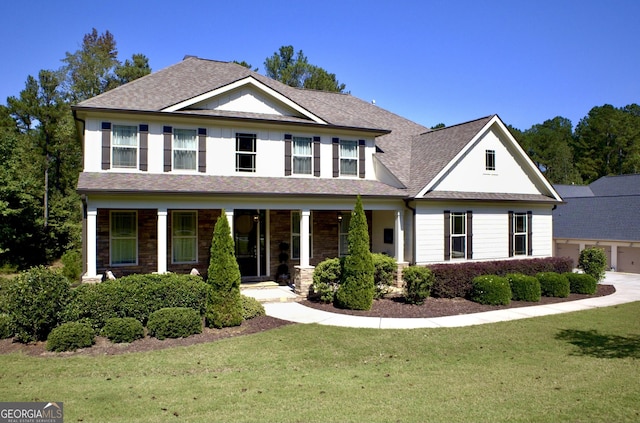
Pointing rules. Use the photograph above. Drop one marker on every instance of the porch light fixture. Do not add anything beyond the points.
(339, 217)
(256, 217)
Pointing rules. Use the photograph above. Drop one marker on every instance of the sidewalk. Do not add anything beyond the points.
(627, 290)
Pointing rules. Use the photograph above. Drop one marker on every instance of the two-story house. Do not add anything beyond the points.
(165, 154)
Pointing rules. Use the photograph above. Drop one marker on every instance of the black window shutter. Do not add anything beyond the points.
(529, 234)
(167, 131)
(361, 159)
(316, 156)
(106, 145)
(144, 147)
(336, 156)
(287, 154)
(202, 150)
(469, 234)
(447, 235)
(510, 234)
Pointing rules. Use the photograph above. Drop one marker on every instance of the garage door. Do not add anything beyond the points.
(628, 259)
(568, 250)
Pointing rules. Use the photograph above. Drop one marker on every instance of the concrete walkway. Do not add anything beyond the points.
(627, 290)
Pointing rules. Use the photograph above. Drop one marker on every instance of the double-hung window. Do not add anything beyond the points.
(245, 152)
(348, 157)
(124, 147)
(458, 235)
(520, 231)
(185, 149)
(184, 237)
(302, 155)
(343, 234)
(490, 160)
(295, 235)
(123, 240)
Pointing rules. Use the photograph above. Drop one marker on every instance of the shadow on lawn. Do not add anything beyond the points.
(595, 344)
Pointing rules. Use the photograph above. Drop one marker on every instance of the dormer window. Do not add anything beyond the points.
(124, 147)
(490, 160)
(349, 157)
(185, 149)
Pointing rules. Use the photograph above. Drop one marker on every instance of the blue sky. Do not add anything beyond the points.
(430, 61)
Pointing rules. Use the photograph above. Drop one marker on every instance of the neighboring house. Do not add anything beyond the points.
(603, 214)
(165, 154)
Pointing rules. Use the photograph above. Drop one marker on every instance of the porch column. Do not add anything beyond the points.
(304, 238)
(92, 234)
(229, 214)
(162, 241)
(399, 236)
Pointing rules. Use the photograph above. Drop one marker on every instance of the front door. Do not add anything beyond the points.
(249, 231)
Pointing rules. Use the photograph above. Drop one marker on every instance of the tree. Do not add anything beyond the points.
(224, 306)
(296, 71)
(357, 285)
(246, 65)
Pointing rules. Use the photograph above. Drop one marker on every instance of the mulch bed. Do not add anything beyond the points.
(392, 307)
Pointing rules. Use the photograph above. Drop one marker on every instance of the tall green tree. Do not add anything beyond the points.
(357, 286)
(225, 303)
(295, 70)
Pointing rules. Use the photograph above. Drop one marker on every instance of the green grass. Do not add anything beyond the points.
(576, 367)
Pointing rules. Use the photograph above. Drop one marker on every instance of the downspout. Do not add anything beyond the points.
(413, 230)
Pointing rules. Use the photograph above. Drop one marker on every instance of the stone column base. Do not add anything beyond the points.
(303, 279)
(91, 279)
(399, 280)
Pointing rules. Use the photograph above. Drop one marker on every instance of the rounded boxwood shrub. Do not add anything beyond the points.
(593, 261)
(251, 308)
(417, 284)
(581, 283)
(174, 322)
(122, 329)
(523, 287)
(384, 276)
(491, 289)
(70, 336)
(36, 301)
(5, 326)
(553, 284)
(326, 279)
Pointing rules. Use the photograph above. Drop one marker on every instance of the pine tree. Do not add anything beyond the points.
(357, 286)
(224, 306)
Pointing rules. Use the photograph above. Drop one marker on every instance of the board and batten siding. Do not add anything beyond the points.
(490, 231)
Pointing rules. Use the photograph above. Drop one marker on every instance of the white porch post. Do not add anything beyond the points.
(304, 237)
(92, 233)
(399, 236)
(229, 214)
(162, 241)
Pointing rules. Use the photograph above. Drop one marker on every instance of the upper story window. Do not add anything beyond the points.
(124, 147)
(185, 149)
(458, 235)
(302, 155)
(245, 152)
(349, 157)
(490, 159)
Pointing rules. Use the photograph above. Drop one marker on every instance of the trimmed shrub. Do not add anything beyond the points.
(417, 284)
(491, 290)
(70, 336)
(224, 307)
(6, 331)
(122, 329)
(326, 279)
(385, 269)
(455, 280)
(594, 262)
(523, 287)
(36, 302)
(4, 294)
(357, 286)
(581, 283)
(251, 308)
(174, 322)
(553, 284)
(72, 265)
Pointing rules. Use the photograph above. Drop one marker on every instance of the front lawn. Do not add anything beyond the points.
(570, 367)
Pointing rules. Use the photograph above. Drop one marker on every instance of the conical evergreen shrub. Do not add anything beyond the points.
(224, 306)
(357, 285)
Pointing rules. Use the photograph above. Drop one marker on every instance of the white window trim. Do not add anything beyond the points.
(294, 155)
(516, 234)
(113, 146)
(111, 238)
(174, 149)
(173, 236)
(487, 154)
(297, 234)
(341, 157)
(253, 153)
(462, 235)
(344, 217)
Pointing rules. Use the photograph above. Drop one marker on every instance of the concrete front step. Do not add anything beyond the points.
(270, 293)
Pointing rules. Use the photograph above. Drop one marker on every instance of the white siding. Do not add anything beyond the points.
(246, 99)
(380, 221)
